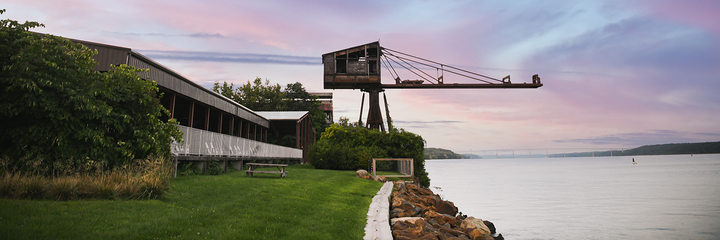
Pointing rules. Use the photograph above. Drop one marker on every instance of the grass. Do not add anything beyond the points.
(143, 179)
(306, 204)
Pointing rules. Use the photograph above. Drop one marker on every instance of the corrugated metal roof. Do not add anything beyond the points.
(283, 115)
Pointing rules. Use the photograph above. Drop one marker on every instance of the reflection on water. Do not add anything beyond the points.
(662, 197)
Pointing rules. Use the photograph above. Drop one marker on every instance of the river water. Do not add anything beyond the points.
(661, 197)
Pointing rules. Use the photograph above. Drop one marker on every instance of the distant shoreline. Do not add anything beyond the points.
(658, 149)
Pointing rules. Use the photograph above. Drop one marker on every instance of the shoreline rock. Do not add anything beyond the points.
(418, 213)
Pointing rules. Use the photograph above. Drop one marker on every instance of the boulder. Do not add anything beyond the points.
(430, 200)
(458, 238)
(461, 216)
(399, 184)
(380, 179)
(490, 226)
(417, 229)
(447, 207)
(475, 229)
(403, 208)
(361, 173)
(450, 232)
(443, 219)
(405, 219)
(499, 237)
(419, 190)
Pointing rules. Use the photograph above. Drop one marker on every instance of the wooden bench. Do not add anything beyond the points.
(253, 166)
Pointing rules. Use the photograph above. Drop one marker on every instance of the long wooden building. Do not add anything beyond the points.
(214, 127)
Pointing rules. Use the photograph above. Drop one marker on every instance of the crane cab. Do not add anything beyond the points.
(353, 68)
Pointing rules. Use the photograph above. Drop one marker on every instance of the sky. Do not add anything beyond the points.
(616, 74)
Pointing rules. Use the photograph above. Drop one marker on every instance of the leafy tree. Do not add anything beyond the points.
(297, 99)
(258, 95)
(349, 146)
(262, 96)
(55, 111)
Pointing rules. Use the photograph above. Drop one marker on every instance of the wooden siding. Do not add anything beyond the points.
(172, 81)
(107, 55)
(114, 55)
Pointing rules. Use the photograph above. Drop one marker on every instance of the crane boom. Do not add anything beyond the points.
(359, 68)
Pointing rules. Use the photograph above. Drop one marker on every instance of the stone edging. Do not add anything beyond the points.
(378, 226)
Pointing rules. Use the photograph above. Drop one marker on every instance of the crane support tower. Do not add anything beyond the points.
(360, 67)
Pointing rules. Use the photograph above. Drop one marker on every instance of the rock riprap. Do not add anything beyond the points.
(418, 213)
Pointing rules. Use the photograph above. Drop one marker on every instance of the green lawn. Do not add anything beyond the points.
(307, 204)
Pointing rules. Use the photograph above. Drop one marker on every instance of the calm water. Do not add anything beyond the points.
(662, 197)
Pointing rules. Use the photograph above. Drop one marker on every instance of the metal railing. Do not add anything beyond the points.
(206, 143)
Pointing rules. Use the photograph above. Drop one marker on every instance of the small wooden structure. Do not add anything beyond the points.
(353, 68)
(406, 167)
(253, 166)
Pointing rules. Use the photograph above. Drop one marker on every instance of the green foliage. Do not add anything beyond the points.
(439, 153)
(262, 96)
(348, 146)
(214, 167)
(56, 111)
(258, 95)
(188, 168)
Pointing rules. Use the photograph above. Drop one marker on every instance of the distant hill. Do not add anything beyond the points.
(439, 153)
(675, 148)
(659, 149)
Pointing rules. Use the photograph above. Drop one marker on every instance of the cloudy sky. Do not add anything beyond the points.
(616, 74)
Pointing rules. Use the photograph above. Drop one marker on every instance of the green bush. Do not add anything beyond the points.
(346, 146)
(214, 167)
(56, 112)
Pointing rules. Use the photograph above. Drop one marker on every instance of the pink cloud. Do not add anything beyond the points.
(701, 13)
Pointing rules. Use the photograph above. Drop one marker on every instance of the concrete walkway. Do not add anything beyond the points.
(378, 224)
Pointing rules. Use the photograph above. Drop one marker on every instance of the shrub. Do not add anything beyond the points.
(214, 167)
(349, 146)
(56, 113)
(188, 168)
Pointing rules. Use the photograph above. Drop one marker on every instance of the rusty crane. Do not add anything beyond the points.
(359, 68)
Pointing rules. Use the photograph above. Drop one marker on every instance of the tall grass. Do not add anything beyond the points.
(142, 179)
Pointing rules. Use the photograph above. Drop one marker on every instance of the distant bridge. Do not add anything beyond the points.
(545, 152)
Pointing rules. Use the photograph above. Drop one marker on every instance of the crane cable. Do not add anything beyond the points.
(401, 59)
(387, 51)
(391, 69)
(406, 68)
